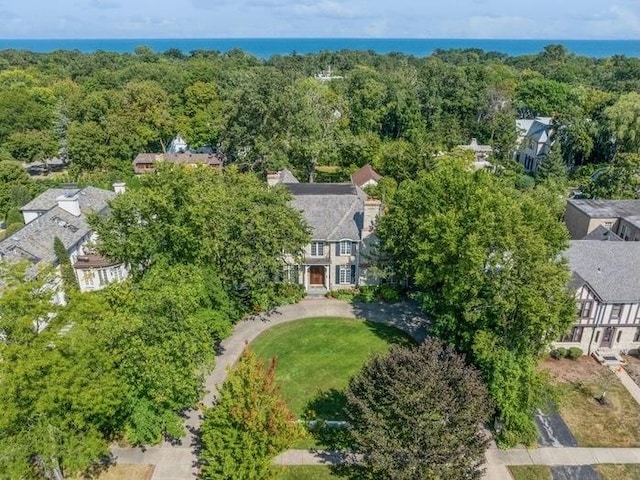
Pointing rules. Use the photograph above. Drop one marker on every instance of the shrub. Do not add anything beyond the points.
(556, 354)
(346, 295)
(13, 228)
(389, 293)
(289, 293)
(367, 294)
(14, 216)
(574, 353)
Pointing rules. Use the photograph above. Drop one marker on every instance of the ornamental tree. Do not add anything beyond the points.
(417, 413)
(248, 425)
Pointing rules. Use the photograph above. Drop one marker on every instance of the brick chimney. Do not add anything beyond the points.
(119, 187)
(69, 203)
(372, 209)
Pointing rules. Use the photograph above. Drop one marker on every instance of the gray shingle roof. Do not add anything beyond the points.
(611, 268)
(608, 208)
(287, 177)
(333, 211)
(34, 242)
(602, 233)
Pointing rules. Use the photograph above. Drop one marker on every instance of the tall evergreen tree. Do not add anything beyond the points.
(66, 269)
(553, 166)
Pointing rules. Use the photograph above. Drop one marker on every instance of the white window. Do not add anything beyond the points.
(317, 249)
(87, 277)
(290, 274)
(345, 275)
(102, 276)
(345, 247)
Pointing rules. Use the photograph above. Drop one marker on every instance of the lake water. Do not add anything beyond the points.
(266, 47)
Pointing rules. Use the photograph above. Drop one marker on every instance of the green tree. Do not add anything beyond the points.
(197, 216)
(624, 120)
(553, 166)
(15, 187)
(417, 413)
(619, 180)
(66, 269)
(248, 425)
(487, 258)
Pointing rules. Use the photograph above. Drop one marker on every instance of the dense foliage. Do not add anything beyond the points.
(248, 425)
(99, 110)
(418, 412)
(487, 259)
(230, 223)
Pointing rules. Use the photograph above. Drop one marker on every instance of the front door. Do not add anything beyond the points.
(316, 275)
(607, 337)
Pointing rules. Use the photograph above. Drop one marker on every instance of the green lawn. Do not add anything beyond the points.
(619, 472)
(317, 356)
(305, 473)
(530, 472)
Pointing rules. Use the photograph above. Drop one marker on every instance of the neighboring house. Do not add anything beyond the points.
(533, 142)
(606, 278)
(62, 213)
(481, 154)
(342, 220)
(179, 152)
(365, 177)
(622, 217)
(146, 162)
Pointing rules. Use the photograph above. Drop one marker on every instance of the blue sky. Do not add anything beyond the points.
(544, 19)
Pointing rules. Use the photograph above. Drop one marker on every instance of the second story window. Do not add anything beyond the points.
(615, 311)
(317, 249)
(345, 247)
(585, 309)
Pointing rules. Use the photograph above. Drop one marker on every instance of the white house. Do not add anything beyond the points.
(62, 213)
(533, 141)
(342, 219)
(606, 279)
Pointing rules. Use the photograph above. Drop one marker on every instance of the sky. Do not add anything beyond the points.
(540, 19)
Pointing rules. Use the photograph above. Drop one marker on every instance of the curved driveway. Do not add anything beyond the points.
(178, 461)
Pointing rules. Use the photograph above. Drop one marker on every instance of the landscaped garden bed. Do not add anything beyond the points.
(596, 420)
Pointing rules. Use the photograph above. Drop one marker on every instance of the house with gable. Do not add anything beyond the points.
(62, 213)
(533, 141)
(365, 177)
(342, 219)
(179, 152)
(606, 281)
(481, 154)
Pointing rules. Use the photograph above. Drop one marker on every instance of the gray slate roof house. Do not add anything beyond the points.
(46, 219)
(612, 269)
(622, 217)
(334, 211)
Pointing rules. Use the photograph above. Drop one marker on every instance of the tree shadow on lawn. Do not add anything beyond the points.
(391, 335)
(327, 405)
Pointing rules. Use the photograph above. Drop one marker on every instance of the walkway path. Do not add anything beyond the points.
(627, 382)
(497, 460)
(177, 461)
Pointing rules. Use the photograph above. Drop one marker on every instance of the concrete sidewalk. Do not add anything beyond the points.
(627, 382)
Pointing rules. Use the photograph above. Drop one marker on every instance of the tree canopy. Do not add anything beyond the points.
(418, 412)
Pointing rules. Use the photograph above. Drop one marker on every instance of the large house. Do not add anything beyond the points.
(342, 219)
(365, 177)
(621, 217)
(606, 278)
(62, 213)
(178, 152)
(533, 141)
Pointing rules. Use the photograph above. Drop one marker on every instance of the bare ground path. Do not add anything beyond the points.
(178, 461)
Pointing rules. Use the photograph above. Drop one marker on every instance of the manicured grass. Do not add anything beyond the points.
(327, 168)
(616, 423)
(320, 472)
(530, 472)
(619, 472)
(317, 357)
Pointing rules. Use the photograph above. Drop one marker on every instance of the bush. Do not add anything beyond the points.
(389, 293)
(14, 216)
(555, 354)
(574, 353)
(346, 295)
(367, 294)
(13, 228)
(289, 293)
